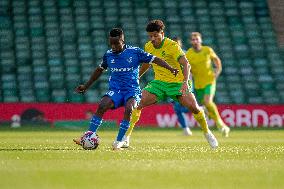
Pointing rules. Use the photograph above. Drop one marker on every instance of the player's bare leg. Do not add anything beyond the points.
(190, 102)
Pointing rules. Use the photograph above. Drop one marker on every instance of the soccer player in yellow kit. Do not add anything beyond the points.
(200, 58)
(165, 84)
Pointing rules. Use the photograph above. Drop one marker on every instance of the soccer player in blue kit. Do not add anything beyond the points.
(123, 61)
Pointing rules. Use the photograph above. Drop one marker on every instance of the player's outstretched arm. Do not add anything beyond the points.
(95, 75)
(143, 69)
(163, 64)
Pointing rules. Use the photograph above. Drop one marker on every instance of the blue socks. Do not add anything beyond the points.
(124, 125)
(95, 123)
(181, 119)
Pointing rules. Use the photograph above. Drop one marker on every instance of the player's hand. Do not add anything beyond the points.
(81, 89)
(174, 71)
(185, 89)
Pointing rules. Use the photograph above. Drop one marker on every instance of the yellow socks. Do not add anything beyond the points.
(134, 119)
(214, 114)
(200, 118)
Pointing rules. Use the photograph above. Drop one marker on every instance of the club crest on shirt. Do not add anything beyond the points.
(129, 60)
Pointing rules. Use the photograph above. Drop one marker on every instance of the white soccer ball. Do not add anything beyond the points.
(90, 140)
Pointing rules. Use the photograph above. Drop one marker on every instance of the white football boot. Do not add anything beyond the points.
(126, 141)
(187, 131)
(225, 131)
(117, 145)
(211, 140)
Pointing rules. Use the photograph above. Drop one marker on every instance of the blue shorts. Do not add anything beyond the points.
(120, 98)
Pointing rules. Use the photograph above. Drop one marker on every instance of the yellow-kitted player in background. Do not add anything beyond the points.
(205, 76)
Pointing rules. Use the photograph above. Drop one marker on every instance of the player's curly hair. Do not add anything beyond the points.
(155, 25)
(116, 32)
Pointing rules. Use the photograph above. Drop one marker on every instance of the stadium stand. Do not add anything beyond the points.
(48, 47)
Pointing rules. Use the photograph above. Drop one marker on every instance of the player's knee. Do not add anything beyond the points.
(207, 100)
(102, 108)
(205, 103)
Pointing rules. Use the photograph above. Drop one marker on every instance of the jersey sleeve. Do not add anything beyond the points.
(145, 57)
(104, 62)
(177, 52)
(212, 53)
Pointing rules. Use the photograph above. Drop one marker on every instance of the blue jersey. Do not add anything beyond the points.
(124, 67)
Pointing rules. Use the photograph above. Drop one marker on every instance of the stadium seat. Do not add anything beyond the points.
(49, 47)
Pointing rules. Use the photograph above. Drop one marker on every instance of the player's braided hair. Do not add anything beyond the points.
(116, 32)
(155, 25)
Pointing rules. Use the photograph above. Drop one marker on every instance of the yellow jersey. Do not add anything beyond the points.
(170, 52)
(201, 66)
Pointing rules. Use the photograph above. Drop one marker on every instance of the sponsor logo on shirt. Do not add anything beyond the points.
(121, 69)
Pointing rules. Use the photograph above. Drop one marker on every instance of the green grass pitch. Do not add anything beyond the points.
(159, 158)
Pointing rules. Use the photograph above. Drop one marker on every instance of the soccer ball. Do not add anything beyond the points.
(90, 140)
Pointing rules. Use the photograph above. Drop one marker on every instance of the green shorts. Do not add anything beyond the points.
(165, 89)
(208, 89)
